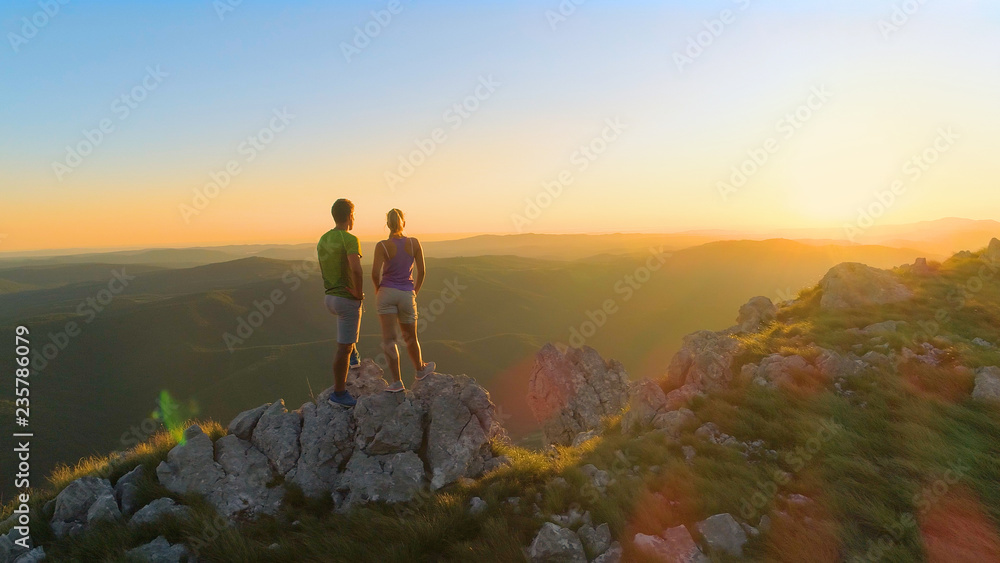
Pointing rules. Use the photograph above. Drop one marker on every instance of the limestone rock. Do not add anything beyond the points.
(74, 502)
(160, 551)
(389, 478)
(646, 400)
(388, 423)
(244, 490)
(159, 509)
(758, 312)
(612, 555)
(127, 490)
(33, 556)
(987, 384)
(779, 371)
(326, 441)
(243, 425)
(569, 392)
(462, 423)
(277, 436)
(584, 437)
(595, 540)
(671, 423)
(555, 544)
(704, 360)
(992, 253)
(672, 546)
(722, 532)
(850, 285)
(190, 467)
(104, 509)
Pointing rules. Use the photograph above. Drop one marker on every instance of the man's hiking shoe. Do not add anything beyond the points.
(429, 368)
(395, 387)
(343, 399)
(355, 359)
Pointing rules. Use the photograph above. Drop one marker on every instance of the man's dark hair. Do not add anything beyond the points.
(342, 210)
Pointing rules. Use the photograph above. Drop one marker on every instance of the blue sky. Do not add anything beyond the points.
(353, 120)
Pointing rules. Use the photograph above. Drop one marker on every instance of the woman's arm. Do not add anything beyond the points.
(418, 260)
(377, 266)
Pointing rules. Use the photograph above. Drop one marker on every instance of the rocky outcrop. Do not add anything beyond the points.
(555, 544)
(74, 503)
(570, 391)
(779, 371)
(158, 510)
(160, 551)
(673, 545)
(992, 252)
(705, 360)
(987, 384)
(388, 448)
(757, 313)
(723, 533)
(852, 285)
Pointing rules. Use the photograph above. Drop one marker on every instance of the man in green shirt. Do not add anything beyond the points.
(340, 261)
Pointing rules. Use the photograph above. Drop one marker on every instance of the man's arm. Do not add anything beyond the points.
(418, 259)
(377, 266)
(357, 276)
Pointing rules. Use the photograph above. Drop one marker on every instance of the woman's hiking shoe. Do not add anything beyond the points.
(343, 399)
(355, 359)
(395, 387)
(429, 368)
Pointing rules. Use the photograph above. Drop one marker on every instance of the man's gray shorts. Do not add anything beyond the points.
(348, 312)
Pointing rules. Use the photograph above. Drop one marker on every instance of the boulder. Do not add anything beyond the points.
(477, 506)
(672, 422)
(461, 425)
(992, 252)
(705, 360)
(190, 466)
(388, 478)
(779, 371)
(555, 544)
(612, 555)
(159, 509)
(105, 509)
(832, 365)
(757, 313)
(74, 502)
(127, 490)
(33, 556)
(595, 540)
(646, 400)
(851, 285)
(244, 424)
(244, 490)
(584, 437)
(987, 384)
(326, 442)
(570, 391)
(277, 436)
(160, 551)
(672, 546)
(362, 381)
(388, 423)
(723, 533)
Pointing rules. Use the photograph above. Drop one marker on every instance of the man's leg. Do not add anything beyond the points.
(340, 362)
(389, 344)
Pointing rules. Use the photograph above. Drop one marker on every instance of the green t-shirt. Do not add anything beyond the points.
(333, 249)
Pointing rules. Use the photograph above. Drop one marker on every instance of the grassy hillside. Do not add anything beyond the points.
(165, 332)
(898, 465)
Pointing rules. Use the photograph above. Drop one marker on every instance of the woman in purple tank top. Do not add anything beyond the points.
(396, 296)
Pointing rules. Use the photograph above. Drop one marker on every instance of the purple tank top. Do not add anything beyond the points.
(398, 270)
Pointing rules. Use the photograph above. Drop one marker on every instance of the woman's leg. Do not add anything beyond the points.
(388, 323)
(412, 345)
